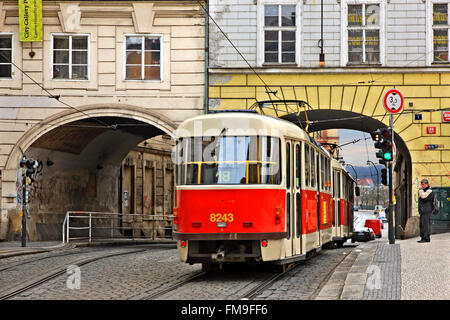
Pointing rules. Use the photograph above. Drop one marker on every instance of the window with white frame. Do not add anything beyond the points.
(142, 57)
(70, 57)
(279, 34)
(6, 56)
(363, 31)
(441, 29)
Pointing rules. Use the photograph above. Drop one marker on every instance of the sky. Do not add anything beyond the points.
(358, 153)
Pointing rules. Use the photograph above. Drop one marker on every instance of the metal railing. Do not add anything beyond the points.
(91, 226)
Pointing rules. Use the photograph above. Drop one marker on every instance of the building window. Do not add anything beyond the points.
(441, 29)
(6, 56)
(70, 57)
(143, 58)
(279, 34)
(363, 33)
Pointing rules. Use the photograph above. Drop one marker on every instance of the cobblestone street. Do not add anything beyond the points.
(141, 271)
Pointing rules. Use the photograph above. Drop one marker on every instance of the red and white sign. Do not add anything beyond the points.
(394, 151)
(431, 130)
(393, 101)
(445, 116)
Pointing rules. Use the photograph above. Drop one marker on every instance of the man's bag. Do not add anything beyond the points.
(435, 206)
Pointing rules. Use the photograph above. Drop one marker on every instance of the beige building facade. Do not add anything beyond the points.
(106, 77)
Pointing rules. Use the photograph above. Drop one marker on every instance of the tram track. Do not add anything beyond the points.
(175, 286)
(57, 271)
(271, 279)
(256, 290)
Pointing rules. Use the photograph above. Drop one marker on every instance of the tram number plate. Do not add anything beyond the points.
(221, 217)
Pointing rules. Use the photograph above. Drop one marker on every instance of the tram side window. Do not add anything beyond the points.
(299, 214)
(297, 165)
(322, 173)
(328, 174)
(313, 168)
(344, 188)
(338, 184)
(307, 166)
(334, 184)
(288, 165)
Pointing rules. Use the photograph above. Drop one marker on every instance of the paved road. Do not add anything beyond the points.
(141, 274)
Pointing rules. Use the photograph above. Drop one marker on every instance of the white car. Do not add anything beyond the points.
(380, 213)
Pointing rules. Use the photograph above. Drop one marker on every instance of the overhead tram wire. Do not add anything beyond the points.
(57, 97)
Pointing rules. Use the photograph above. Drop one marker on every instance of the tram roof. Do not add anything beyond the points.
(239, 124)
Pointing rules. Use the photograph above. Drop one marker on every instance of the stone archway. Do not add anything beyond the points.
(86, 147)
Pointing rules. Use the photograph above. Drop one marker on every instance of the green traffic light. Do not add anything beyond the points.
(387, 156)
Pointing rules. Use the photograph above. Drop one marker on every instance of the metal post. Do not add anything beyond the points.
(378, 181)
(68, 219)
(90, 226)
(24, 208)
(391, 232)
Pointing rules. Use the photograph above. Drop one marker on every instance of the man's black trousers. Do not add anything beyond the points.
(425, 226)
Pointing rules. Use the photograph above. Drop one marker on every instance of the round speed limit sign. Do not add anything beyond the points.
(393, 101)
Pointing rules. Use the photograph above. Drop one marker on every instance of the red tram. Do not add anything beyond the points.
(265, 193)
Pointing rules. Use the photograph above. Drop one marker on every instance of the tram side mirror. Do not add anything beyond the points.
(357, 191)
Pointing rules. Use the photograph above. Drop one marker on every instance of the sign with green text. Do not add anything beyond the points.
(30, 20)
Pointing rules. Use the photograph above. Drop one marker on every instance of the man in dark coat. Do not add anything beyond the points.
(426, 201)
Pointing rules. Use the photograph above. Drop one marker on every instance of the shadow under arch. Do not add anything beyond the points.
(91, 112)
(324, 119)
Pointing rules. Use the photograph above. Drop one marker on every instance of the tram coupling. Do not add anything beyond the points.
(219, 256)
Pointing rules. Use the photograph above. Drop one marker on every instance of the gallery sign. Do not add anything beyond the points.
(30, 20)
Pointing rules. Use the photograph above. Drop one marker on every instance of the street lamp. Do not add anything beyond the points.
(378, 181)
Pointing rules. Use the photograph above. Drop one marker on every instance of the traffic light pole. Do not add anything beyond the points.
(391, 230)
(24, 208)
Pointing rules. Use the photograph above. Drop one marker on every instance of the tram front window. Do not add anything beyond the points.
(228, 160)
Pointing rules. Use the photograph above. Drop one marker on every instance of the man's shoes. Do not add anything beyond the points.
(422, 241)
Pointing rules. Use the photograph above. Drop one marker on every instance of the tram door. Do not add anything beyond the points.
(337, 202)
(297, 235)
(319, 181)
(290, 199)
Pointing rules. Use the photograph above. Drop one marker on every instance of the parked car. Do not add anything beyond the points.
(363, 234)
(375, 225)
(355, 208)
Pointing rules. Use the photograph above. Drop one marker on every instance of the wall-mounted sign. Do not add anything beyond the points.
(431, 130)
(445, 116)
(431, 146)
(417, 116)
(30, 20)
(393, 101)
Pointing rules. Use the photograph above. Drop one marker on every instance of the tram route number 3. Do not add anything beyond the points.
(221, 217)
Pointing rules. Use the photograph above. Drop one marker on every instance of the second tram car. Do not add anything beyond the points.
(265, 193)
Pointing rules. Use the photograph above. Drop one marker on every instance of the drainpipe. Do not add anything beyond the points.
(206, 102)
